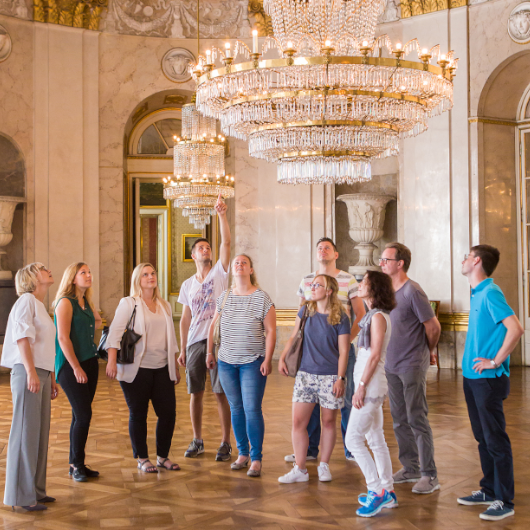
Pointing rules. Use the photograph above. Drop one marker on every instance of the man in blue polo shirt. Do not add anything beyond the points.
(493, 333)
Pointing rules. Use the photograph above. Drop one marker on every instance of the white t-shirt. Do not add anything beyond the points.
(29, 319)
(155, 355)
(200, 298)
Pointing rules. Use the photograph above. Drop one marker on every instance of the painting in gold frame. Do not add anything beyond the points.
(187, 242)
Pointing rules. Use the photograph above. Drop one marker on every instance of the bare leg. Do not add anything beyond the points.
(196, 407)
(329, 434)
(224, 414)
(301, 414)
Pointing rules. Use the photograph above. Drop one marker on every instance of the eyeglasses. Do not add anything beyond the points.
(43, 268)
(316, 286)
(384, 260)
(468, 255)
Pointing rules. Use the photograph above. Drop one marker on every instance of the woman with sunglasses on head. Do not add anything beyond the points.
(29, 350)
(366, 419)
(245, 358)
(76, 362)
(154, 373)
(322, 374)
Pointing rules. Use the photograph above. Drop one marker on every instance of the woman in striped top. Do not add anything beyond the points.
(245, 358)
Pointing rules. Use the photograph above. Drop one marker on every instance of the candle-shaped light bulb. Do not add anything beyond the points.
(443, 57)
(398, 46)
(365, 43)
(424, 51)
(227, 49)
(328, 43)
(289, 44)
(208, 57)
(254, 41)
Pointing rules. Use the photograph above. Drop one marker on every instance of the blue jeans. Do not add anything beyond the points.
(313, 427)
(244, 387)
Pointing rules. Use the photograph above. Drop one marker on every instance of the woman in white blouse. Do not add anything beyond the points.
(154, 372)
(29, 350)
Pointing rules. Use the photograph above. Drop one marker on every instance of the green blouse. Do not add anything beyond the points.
(81, 334)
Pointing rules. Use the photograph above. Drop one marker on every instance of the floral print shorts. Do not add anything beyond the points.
(310, 388)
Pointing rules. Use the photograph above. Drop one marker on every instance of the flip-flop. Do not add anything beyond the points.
(161, 461)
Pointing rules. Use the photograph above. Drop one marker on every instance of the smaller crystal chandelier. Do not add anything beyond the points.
(199, 169)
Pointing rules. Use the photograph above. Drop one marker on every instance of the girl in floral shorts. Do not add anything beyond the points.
(321, 377)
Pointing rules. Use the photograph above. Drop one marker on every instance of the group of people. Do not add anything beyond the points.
(229, 332)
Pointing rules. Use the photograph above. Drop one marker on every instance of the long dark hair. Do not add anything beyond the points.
(381, 290)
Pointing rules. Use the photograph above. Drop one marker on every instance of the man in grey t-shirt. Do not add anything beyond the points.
(415, 333)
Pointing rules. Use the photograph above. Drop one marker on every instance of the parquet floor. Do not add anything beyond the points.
(207, 495)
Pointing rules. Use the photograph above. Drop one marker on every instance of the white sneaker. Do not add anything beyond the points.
(324, 475)
(291, 458)
(295, 475)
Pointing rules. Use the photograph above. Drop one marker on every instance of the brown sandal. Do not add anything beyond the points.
(161, 462)
(146, 466)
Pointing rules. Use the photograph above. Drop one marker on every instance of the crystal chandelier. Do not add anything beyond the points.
(199, 168)
(334, 99)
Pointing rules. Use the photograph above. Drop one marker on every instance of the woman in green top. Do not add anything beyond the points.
(76, 364)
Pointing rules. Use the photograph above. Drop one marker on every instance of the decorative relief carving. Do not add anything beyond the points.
(5, 44)
(175, 64)
(76, 13)
(392, 12)
(16, 8)
(411, 8)
(178, 18)
(519, 23)
(262, 21)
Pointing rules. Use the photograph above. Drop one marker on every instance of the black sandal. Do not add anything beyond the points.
(146, 466)
(160, 462)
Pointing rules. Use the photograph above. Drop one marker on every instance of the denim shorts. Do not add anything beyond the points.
(311, 388)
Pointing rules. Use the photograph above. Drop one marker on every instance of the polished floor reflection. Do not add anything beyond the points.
(207, 494)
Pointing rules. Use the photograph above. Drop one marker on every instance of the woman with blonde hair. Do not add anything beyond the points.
(29, 350)
(154, 373)
(76, 363)
(322, 374)
(244, 358)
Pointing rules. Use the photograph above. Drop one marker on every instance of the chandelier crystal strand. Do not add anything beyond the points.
(199, 169)
(335, 98)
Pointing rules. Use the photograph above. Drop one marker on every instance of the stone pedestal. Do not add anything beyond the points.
(7, 210)
(366, 216)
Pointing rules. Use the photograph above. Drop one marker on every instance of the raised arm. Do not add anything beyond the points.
(64, 313)
(224, 249)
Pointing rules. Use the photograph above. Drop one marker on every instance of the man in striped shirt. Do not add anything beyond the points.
(327, 256)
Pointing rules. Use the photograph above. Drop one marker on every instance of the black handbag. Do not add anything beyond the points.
(128, 341)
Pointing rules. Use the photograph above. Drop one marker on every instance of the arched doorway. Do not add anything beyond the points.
(503, 182)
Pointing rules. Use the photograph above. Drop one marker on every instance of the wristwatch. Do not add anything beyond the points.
(495, 365)
(341, 378)
(361, 383)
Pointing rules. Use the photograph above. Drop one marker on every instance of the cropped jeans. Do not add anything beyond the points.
(244, 386)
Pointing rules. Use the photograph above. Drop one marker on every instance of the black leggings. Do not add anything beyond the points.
(154, 385)
(80, 397)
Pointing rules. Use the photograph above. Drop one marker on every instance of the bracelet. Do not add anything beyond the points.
(209, 353)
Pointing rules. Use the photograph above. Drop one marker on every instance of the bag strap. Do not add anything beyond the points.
(228, 291)
(133, 316)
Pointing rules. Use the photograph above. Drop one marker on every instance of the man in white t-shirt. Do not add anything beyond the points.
(198, 295)
(327, 256)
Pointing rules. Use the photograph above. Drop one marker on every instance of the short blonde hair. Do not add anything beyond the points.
(136, 290)
(26, 278)
(67, 286)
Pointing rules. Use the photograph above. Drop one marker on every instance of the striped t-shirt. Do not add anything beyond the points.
(242, 329)
(348, 287)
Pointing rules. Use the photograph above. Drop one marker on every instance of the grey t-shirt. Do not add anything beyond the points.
(408, 347)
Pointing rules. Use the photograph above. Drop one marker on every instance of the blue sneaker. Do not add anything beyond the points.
(496, 512)
(476, 497)
(363, 496)
(374, 504)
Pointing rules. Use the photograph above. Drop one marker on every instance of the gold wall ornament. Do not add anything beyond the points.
(74, 13)
(412, 8)
(262, 21)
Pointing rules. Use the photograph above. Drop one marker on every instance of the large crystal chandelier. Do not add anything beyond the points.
(199, 168)
(334, 99)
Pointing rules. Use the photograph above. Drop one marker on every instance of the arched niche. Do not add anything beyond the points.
(500, 110)
(13, 184)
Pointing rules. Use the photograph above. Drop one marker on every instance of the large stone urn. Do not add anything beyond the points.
(7, 211)
(366, 216)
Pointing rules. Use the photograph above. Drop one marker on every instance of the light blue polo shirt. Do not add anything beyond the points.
(486, 331)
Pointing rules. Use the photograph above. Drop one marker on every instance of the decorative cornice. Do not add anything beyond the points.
(262, 21)
(493, 121)
(449, 321)
(412, 8)
(74, 13)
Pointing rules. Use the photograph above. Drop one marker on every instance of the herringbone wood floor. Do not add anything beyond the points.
(207, 494)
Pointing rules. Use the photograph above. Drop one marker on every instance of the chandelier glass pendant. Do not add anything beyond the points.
(199, 168)
(335, 98)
